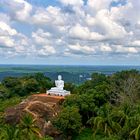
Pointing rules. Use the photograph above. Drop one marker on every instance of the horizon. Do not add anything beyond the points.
(121, 65)
(70, 32)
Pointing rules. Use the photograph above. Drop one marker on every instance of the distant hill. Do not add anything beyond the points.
(73, 74)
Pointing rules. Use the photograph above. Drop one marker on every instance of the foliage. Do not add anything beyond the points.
(103, 122)
(47, 138)
(70, 87)
(9, 102)
(22, 86)
(68, 121)
(111, 104)
(9, 132)
(85, 104)
(43, 81)
(4, 93)
(28, 127)
(85, 134)
(103, 108)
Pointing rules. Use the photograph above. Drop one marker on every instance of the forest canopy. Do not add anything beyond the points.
(105, 107)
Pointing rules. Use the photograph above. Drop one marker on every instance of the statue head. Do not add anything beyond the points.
(59, 77)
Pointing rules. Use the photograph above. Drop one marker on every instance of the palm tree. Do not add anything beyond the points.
(135, 124)
(103, 123)
(136, 133)
(9, 132)
(28, 128)
(128, 118)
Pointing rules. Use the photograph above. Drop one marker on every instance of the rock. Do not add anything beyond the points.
(42, 107)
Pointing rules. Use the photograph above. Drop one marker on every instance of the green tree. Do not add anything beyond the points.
(9, 132)
(4, 92)
(68, 121)
(28, 128)
(13, 84)
(44, 82)
(70, 87)
(103, 122)
(125, 85)
(85, 103)
(30, 85)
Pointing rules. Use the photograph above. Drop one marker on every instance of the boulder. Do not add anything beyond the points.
(42, 107)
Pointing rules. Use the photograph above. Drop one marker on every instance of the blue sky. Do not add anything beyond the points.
(89, 32)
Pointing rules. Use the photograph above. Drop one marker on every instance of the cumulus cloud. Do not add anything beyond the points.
(72, 27)
(81, 32)
(6, 33)
(6, 41)
(135, 43)
(11, 41)
(105, 48)
(46, 51)
(72, 2)
(121, 49)
(50, 15)
(80, 49)
(107, 25)
(99, 4)
(18, 9)
(44, 43)
(40, 37)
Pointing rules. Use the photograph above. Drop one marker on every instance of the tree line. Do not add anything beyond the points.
(24, 86)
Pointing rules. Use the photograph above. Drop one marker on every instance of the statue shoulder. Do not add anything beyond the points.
(61, 81)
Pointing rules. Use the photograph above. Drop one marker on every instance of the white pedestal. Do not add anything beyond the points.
(58, 93)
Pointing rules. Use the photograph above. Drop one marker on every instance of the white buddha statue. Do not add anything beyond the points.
(58, 83)
(59, 89)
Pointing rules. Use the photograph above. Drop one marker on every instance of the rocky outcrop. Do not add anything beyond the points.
(42, 107)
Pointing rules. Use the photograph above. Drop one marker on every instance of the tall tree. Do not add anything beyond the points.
(68, 121)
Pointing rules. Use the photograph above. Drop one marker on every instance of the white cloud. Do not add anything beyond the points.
(138, 25)
(111, 28)
(135, 43)
(46, 51)
(90, 20)
(72, 2)
(41, 38)
(5, 18)
(81, 32)
(105, 48)
(72, 27)
(23, 13)
(51, 15)
(6, 41)
(7, 29)
(81, 49)
(99, 4)
(18, 9)
(10, 39)
(44, 43)
(6, 34)
(121, 49)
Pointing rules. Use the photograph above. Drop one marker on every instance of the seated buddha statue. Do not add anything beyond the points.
(59, 88)
(59, 84)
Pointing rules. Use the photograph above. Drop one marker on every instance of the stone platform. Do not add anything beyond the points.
(48, 98)
(56, 93)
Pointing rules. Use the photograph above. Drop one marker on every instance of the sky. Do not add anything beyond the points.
(70, 32)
